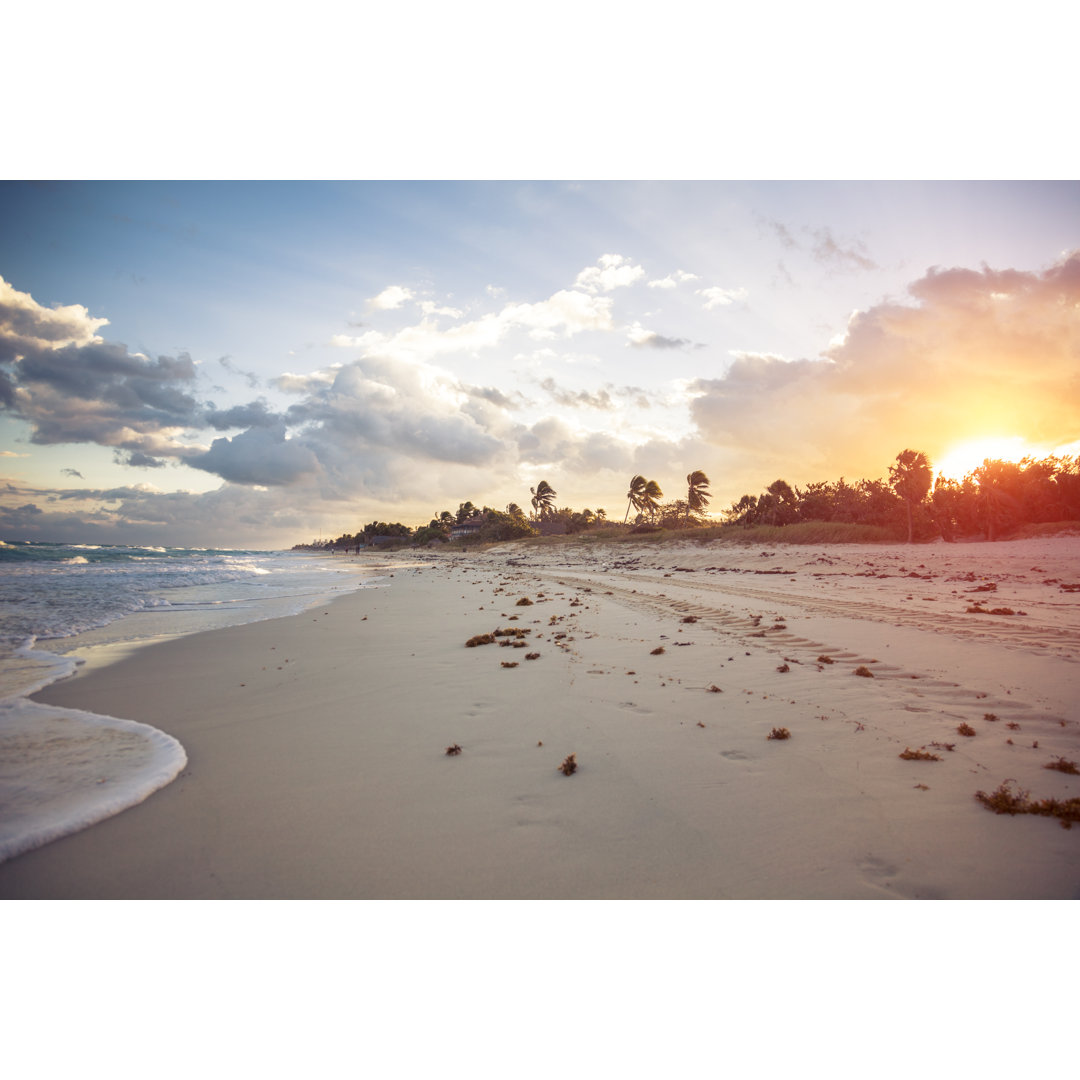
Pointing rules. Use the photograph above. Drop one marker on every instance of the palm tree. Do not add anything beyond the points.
(650, 500)
(515, 511)
(910, 478)
(543, 499)
(635, 495)
(697, 496)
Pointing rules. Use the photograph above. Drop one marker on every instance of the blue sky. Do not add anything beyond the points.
(282, 360)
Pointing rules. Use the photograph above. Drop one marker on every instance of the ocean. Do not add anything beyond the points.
(66, 604)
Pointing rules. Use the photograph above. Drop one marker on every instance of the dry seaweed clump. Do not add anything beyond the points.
(480, 639)
(966, 729)
(779, 733)
(918, 755)
(524, 602)
(509, 663)
(1005, 801)
(569, 765)
(453, 751)
(1061, 765)
(864, 671)
(657, 651)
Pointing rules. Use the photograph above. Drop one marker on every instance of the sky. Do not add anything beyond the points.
(261, 363)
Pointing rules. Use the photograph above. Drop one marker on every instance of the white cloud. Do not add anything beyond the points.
(611, 272)
(393, 296)
(717, 297)
(25, 325)
(429, 307)
(672, 280)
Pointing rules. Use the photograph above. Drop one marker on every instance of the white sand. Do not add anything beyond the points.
(316, 743)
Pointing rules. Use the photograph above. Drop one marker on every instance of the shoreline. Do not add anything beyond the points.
(316, 742)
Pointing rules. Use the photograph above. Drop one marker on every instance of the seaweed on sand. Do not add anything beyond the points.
(1006, 801)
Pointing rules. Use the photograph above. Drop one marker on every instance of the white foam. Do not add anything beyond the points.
(62, 770)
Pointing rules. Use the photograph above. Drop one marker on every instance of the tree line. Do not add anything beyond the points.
(991, 500)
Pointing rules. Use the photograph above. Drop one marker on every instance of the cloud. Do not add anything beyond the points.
(72, 472)
(823, 247)
(393, 296)
(672, 281)
(611, 272)
(826, 250)
(429, 307)
(640, 338)
(138, 460)
(258, 456)
(254, 414)
(26, 326)
(576, 399)
(976, 353)
(717, 297)
(248, 376)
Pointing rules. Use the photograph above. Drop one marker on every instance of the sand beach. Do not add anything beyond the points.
(316, 744)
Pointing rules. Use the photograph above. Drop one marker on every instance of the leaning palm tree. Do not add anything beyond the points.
(543, 499)
(910, 478)
(697, 496)
(650, 501)
(635, 495)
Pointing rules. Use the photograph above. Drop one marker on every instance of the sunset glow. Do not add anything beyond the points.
(960, 460)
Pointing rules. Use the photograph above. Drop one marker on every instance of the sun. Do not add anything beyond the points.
(962, 458)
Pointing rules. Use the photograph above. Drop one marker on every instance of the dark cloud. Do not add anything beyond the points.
(258, 456)
(137, 459)
(254, 414)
